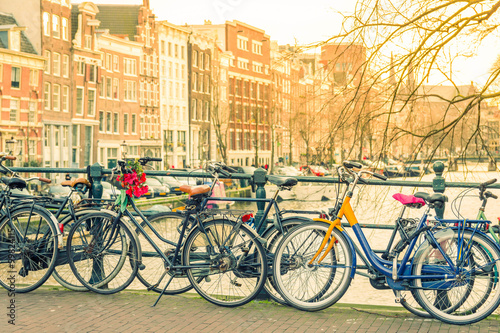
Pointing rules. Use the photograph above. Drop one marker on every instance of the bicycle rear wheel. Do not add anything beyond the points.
(475, 293)
(165, 235)
(98, 250)
(317, 286)
(28, 249)
(230, 264)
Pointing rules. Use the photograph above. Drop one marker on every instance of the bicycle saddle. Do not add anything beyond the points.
(195, 190)
(436, 197)
(282, 181)
(73, 183)
(14, 183)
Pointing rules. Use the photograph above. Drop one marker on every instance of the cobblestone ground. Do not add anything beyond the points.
(52, 310)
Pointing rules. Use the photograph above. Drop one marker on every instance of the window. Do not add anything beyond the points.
(1, 72)
(176, 71)
(162, 44)
(101, 121)
(200, 83)
(92, 73)
(33, 77)
(14, 110)
(46, 24)
(134, 124)
(65, 98)
(129, 66)
(56, 97)
(125, 123)
(57, 136)
(108, 61)
(46, 96)
(116, 66)
(91, 102)
(55, 26)
(56, 64)
(169, 49)
(115, 88)
(202, 60)
(80, 68)
(79, 101)
(182, 52)
(65, 65)
(76, 143)
(256, 47)
(108, 122)
(65, 28)
(176, 48)
(237, 87)
(108, 87)
(15, 81)
(32, 112)
(195, 58)
(181, 139)
(257, 67)
(242, 63)
(115, 123)
(130, 90)
(207, 61)
(15, 42)
(102, 89)
(88, 42)
(242, 43)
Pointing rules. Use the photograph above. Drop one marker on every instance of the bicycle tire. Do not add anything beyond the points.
(409, 302)
(273, 237)
(167, 225)
(235, 267)
(62, 272)
(98, 250)
(461, 306)
(28, 256)
(312, 287)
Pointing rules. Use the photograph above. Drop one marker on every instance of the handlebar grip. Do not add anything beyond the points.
(12, 158)
(224, 173)
(228, 168)
(350, 165)
(489, 182)
(494, 196)
(154, 159)
(45, 180)
(379, 176)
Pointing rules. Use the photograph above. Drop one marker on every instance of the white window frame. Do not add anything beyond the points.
(94, 103)
(65, 65)
(82, 89)
(56, 64)
(47, 95)
(56, 97)
(47, 26)
(56, 26)
(65, 99)
(64, 28)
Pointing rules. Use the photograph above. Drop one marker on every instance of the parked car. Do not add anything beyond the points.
(57, 191)
(156, 188)
(310, 170)
(286, 171)
(172, 183)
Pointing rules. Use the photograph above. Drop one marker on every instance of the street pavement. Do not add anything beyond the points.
(50, 309)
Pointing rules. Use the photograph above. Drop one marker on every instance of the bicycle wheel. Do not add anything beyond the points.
(409, 302)
(230, 264)
(273, 236)
(98, 249)
(165, 234)
(62, 272)
(475, 293)
(28, 249)
(317, 286)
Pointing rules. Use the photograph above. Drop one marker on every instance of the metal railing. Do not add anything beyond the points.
(258, 180)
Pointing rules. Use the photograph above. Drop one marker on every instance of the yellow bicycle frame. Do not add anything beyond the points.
(345, 210)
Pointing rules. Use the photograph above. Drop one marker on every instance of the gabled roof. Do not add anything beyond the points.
(119, 19)
(26, 46)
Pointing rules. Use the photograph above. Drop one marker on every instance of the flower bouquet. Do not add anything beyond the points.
(132, 183)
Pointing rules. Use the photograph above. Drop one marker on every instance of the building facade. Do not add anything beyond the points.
(21, 70)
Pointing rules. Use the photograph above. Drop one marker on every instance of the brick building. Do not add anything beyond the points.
(21, 69)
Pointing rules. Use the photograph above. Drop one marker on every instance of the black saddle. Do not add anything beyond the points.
(282, 181)
(14, 183)
(432, 198)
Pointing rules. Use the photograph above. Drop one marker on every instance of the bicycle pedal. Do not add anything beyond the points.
(234, 283)
(153, 286)
(245, 249)
(398, 298)
(142, 267)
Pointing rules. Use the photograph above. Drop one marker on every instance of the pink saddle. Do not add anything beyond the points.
(409, 200)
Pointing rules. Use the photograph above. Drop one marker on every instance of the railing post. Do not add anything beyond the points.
(439, 185)
(259, 179)
(95, 175)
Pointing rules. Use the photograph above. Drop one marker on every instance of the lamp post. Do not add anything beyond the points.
(124, 147)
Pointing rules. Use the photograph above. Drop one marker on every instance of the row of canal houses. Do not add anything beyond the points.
(86, 83)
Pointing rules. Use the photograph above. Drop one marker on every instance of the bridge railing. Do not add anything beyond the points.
(258, 180)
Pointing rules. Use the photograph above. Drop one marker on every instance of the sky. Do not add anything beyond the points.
(296, 22)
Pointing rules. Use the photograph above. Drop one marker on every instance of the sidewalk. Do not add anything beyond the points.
(57, 310)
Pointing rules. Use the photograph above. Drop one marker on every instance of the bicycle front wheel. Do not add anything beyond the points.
(474, 293)
(316, 286)
(98, 249)
(227, 266)
(28, 249)
(165, 234)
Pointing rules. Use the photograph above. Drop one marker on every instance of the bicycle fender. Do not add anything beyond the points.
(349, 241)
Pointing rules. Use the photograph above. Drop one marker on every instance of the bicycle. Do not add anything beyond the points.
(29, 236)
(459, 260)
(219, 248)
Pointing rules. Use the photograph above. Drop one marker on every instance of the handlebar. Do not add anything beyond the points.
(350, 165)
(488, 183)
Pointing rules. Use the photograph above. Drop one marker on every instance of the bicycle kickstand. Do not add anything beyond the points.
(163, 291)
